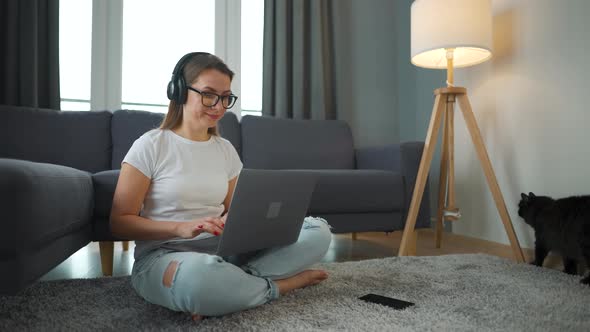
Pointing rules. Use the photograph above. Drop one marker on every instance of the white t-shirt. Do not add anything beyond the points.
(189, 179)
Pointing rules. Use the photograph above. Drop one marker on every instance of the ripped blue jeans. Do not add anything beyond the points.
(210, 285)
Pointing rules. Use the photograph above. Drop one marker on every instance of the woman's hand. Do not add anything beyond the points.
(190, 229)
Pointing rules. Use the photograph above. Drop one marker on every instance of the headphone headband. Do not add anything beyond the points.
(180, 64)
(176, 90)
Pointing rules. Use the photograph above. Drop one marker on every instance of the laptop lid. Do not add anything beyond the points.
(267, 210)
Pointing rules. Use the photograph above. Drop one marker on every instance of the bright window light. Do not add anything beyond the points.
(251, 63)
(75, 42)
(156, 34)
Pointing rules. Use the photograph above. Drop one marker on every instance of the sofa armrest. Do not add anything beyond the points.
(405, 159)
(379, 157)
(43, 202)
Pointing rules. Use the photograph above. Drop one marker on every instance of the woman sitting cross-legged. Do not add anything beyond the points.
(176, 182)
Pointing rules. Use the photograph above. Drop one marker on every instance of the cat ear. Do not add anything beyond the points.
(531, 195)
(524, 197)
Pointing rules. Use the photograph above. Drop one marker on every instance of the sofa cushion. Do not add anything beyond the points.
(127, 126)
(80, 140)
(43, 202)
(337, 191)
(104, 184)
(356, 191)
(271, 143)
(229, 128)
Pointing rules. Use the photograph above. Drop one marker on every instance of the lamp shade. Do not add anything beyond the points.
(465, 25)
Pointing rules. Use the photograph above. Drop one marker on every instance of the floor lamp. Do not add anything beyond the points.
(447, 34)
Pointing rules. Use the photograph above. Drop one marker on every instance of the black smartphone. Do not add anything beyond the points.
(386, 301)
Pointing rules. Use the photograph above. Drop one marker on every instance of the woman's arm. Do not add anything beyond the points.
(126, 223)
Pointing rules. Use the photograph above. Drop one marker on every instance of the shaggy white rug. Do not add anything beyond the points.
(454, 292)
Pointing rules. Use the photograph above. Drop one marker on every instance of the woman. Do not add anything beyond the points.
(176, 183)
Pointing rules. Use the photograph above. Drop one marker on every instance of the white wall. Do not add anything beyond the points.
(531, 105)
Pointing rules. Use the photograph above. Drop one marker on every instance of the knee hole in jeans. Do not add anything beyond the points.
(168, 277)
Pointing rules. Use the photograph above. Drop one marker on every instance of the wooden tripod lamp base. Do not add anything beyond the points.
(443, 107)
(461, 34)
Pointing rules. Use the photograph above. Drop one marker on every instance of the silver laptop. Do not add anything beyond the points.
(267, 210)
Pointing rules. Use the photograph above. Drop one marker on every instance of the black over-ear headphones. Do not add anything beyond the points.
(177, 86)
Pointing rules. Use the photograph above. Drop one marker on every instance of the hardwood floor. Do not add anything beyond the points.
(86, 262)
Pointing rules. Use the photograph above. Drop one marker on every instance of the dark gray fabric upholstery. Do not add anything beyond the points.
(271, 143)
(28, 266)
(105, 184)
(46, 202)
(354, 191)
(229, 128)
(379, 157)
(47, 218)
(101, 229)
(104, 189)
(81, 140)
(344, 191)
(126, 127)
(405, 159)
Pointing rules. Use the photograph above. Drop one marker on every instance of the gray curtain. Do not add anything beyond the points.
(29, 60)
(298, 65)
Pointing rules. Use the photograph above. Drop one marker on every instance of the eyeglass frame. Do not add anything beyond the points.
(219, 97)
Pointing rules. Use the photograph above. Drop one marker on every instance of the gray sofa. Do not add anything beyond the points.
(59, 169)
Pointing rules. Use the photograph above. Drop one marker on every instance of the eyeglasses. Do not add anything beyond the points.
(211, 99)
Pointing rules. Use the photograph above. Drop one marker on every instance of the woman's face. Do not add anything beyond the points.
(210, 82)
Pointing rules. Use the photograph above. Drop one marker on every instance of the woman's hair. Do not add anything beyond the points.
(191, 70)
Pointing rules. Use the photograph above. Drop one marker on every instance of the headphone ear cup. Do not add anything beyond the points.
(176, 89)
(171, 90)
(181, 93)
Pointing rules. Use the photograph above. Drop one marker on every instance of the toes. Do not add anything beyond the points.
(322, 274)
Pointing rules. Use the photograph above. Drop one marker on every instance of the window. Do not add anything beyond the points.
(75, 24)
(252, 31)
(138, 42)
(151, 52)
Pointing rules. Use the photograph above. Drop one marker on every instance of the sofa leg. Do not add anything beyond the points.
(412, 242)
(125, 245)
(354, 236)
(106, 257)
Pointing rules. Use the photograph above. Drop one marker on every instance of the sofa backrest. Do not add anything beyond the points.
(80, 140)
(271, 143)
(230, 129)
(127, 126)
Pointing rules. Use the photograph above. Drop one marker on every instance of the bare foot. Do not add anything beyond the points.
(197, 318)
(300, 280)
